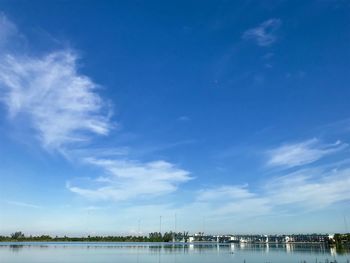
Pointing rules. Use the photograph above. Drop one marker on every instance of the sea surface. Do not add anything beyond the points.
(168, 253)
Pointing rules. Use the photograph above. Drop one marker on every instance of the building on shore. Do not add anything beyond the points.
(294, 238)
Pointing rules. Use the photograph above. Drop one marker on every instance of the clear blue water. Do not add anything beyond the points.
(166, 253)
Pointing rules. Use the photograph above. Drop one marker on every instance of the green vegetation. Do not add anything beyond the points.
(341, 240)
(152, 237)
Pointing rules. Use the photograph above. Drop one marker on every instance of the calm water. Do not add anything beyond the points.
(155, 252)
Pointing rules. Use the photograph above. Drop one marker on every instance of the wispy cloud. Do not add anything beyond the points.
(127, 179)
(312, 188)
(93, 208)
(63, 108)
(224, 192)
(307, 189)
(61, 103)
(297, 154)
(23, 204)
(231, 199)
(184, 118)
(7, 30)
(264, 34)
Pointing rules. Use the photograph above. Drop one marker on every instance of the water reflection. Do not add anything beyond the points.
(169, 252)
(15, 248)
(183, 247)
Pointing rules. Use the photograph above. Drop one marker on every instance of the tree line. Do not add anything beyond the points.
(152, 237)
(341, 240)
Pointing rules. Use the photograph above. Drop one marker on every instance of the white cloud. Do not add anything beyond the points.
(60, 103)
(232, 199)
(7, 30)
(224, 192)
(63, 108)
(312, 188)
(291, 155)
(23, 204)
(264, 34)
(127, 179)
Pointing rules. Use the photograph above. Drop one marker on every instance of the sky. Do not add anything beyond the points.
(129, 117)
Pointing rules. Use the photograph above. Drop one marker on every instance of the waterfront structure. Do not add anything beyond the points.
(294, 238)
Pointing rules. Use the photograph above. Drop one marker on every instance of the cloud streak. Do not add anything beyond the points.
(125, 180)
(305, 188)
(7, 30)
(265, 34)
(61, 104)
(225, 192)
(308, 189)
(298, 154)
(63, 108)
(233, 199)
(311, 188)
(22, 204)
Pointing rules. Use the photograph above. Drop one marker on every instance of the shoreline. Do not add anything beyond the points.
(155, 242)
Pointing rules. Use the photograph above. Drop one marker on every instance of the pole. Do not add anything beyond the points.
(346, 224)
(138, 226)
(160, 224)
(175, 223)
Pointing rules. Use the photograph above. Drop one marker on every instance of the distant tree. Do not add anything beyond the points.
(17, 235)
(168, 236)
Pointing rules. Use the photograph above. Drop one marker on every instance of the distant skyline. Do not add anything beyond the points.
(231, 115)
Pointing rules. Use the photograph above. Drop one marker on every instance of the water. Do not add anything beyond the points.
(167, 253)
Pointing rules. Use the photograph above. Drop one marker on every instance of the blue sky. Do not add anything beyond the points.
(231, 115)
